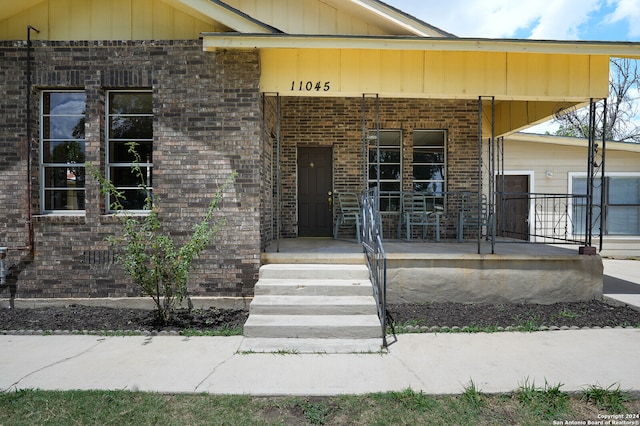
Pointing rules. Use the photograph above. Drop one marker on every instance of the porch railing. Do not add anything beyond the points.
(550, 218)
(376, 256)
(515, 217)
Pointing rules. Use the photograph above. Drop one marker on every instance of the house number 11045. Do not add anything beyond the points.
(309, 86)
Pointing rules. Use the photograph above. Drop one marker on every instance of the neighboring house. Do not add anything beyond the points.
(297, 97)
(545, 164)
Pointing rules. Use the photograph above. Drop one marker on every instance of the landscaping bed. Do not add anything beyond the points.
(407, 317)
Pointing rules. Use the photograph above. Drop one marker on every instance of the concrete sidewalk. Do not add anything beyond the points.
(622, 281)
(432, 363)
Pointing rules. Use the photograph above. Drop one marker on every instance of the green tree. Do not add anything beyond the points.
(622, 108)
(150, 255)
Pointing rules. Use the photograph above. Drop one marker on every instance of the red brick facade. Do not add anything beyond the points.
(207, 124)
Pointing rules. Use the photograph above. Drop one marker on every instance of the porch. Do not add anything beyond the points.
(426, 271)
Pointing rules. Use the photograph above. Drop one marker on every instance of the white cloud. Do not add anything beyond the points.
(627, 10)
(558, 19)
(489, 18)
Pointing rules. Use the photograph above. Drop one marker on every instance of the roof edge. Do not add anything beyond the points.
(570, 141)
(254, 40)
(229, 16)
(410, 22)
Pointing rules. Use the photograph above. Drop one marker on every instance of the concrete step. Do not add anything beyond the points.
(313, 346)
(313, 287)
(313, 326)
(314, 271)
(313, 305)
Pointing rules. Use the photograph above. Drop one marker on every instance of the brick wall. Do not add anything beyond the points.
(207, 124)
(337, 122)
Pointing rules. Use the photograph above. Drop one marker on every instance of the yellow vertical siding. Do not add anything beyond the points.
(104, 20)
(305, 17)
(441, 74)
(143, 27)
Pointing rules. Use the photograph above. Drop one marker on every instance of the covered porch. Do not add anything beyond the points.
(425, 116)
(425, 271)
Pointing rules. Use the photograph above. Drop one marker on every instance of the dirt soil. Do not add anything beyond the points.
(84, 318)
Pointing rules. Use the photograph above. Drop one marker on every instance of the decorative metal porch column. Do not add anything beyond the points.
(365, 140)
(491, 145)
(595, 166)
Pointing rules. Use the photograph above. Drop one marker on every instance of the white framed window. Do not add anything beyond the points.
(386, 157)
(62, 151)
(130, 119)
(620, 210)
(430, 163)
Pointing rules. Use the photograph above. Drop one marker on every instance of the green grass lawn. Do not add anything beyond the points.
(528, 405)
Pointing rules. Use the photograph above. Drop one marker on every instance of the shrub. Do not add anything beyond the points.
(150, 255)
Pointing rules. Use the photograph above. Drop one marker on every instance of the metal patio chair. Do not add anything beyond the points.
(472, 214)
(416, 212)
(349, 212)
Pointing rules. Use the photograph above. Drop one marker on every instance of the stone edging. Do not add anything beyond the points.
(400, 330)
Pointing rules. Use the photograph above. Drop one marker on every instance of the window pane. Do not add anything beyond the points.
(125, 177)
(63, 152)
(580, 188)
(428, 172)
(386, 155)
(119, 152)
(623, 221)
(428, 156)
(130, 103)
(64, 103)
(68, 199)
(134, 199)
(387, 138)
(64, 177)
(63, 127)
(136, 127)
(624, 190)
(428, 138)
(579, 220)
(429, 187)
(386, 172)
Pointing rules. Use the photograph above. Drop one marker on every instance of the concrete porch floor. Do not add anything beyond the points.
(424, 271)
(324, 246)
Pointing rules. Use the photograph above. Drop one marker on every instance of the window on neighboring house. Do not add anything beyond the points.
(621, 209)
(429, 163)
(62, 153)
(386, 156)
(130, 119)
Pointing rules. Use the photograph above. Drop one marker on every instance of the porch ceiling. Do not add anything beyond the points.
(530, 80)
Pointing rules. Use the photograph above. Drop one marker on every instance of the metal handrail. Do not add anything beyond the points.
(376, 256)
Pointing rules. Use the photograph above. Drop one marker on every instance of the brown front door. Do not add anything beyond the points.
(315, 215)
(513, 207)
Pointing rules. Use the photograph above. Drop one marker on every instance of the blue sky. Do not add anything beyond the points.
(605, 20)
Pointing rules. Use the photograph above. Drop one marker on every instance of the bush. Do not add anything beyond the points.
(149, 254)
